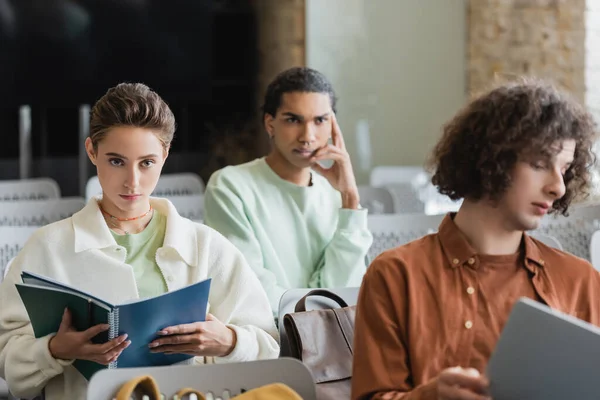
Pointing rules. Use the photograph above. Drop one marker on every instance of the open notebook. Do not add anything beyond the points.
(45, 300)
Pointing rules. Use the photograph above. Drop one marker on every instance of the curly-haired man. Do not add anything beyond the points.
(430, 312)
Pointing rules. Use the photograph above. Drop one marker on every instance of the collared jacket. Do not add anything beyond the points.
(80, 251)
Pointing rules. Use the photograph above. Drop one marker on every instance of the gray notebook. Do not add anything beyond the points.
(544, 354)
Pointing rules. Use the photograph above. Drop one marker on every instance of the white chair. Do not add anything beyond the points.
(384, 175)
(390, 231)
(29, 189)
(215, 380)
(12, 240)
(190, 206)
(406, 198)
(547, 240)
(290, 297)
(180, 184)
(434, 202)
(595, 250)
(574, 233)
(377, 200)
(38, 212)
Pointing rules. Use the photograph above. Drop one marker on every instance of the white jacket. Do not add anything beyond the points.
(80, 251)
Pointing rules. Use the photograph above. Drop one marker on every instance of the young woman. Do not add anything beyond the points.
(126, 245)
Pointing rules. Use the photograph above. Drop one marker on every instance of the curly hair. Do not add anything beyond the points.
(476, 156)
(297, 79)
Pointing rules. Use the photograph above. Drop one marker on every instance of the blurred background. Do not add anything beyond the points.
(401, 69)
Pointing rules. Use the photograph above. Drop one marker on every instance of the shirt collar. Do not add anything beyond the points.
(459, 251)
(92, 232)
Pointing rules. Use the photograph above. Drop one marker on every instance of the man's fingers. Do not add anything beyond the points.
(458, 393)
(327, 152)
(336, 134)
(465, 379)
(319, 169)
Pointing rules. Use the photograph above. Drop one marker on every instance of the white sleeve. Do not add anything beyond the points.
(25, 362)
(238, 300)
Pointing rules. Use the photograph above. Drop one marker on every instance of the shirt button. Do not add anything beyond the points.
(470, 290)
(118, 249)
(471, 261)
(170, 278)
(469, 324)
(455, 261)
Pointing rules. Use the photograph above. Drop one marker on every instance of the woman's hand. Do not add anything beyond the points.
(209, 339)
(69, 344)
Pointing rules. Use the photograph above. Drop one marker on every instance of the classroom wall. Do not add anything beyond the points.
(399, 68)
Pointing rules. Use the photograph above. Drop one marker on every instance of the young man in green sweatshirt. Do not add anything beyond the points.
(295, 227)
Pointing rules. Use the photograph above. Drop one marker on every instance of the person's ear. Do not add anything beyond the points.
(268, 121)
(91, 152)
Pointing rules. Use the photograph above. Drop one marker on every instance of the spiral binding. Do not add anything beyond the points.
(113, 332)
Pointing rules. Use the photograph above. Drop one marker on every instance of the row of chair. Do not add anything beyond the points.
(406, 193)
(47, 188)
(188, 183)
(573, 234)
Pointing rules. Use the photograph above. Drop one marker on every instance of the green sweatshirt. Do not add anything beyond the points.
(292, 236)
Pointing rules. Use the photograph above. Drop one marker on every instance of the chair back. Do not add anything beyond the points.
(595, 250)
(290, 297)
(377, 200)
(386, 174)
(390, 231)
(12, 240)
(574, 233)
(216, 380)
(29, 189)
(406, 198)
(547, 240)
(189, 206)
(180, 184)
(38, 212)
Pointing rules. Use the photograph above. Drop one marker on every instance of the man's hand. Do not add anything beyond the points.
(210, 339)
(69, 344)
(462, 384)
(340, 175)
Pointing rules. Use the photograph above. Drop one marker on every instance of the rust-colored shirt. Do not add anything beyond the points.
(435, 303)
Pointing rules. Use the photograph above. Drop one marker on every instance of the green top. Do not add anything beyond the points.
(292, 236)
(141, 255)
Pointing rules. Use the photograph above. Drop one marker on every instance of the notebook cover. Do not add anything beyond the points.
(45, 307)
(142, 320)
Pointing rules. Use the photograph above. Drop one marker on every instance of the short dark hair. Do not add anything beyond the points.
(480, 146)
(297, 79)
(132, 104)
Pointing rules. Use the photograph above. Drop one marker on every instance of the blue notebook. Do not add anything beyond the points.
(45, 300)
